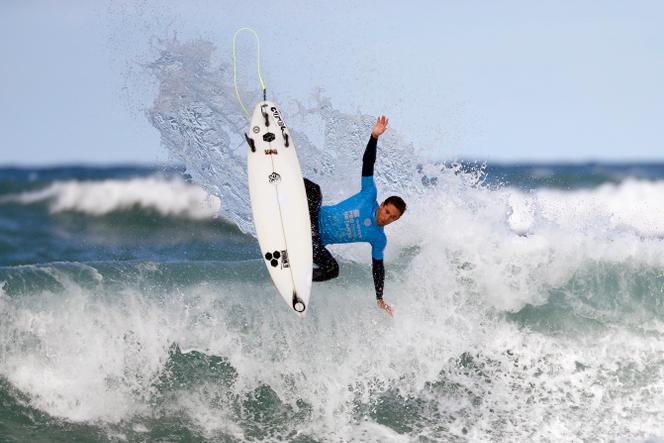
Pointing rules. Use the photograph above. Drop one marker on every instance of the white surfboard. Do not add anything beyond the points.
(279, 205)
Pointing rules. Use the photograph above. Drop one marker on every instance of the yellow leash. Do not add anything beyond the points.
(258, 59)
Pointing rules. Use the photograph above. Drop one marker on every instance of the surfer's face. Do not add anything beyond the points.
(386, 214)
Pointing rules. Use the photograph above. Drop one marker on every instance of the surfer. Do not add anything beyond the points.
(359, 218)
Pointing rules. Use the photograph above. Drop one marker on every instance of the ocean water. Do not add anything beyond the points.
(134, 305)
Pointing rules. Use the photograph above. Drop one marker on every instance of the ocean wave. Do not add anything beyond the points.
(632, 205)
(510, 247)
(166, 196)
(97, 349)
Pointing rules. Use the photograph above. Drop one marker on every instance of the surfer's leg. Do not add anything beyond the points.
(328, 268)
(314, 199)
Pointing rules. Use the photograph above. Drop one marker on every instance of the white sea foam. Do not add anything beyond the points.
(632, 205)
(85, 354)
(169, 197)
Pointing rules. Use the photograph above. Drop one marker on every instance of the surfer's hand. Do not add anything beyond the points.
(385, 307)
(380, 126)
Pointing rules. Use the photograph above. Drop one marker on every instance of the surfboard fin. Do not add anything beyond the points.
(252, 145)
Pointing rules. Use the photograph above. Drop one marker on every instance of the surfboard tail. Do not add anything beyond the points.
(298, 304)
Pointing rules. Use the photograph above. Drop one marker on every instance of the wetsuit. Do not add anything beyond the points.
(352, 220)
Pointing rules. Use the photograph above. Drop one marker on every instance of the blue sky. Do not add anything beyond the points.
(499, 81)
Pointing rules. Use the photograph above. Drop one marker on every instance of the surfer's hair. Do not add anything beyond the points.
(397, 202)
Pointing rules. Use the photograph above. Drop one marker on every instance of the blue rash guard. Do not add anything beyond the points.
(354, 220)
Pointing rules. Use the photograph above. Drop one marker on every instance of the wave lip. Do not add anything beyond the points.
(169, 197)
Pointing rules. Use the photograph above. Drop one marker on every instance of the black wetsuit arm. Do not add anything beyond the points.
(369, 157)
(378, 271)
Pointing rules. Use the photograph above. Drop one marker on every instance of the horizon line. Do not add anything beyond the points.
(169, 165)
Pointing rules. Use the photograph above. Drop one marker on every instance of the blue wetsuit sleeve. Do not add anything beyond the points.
(378, 271)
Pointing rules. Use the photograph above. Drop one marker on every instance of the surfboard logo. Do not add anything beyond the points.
(276, 114)
(271, 152)
(278, 257)
(280, 123)
(274, 178)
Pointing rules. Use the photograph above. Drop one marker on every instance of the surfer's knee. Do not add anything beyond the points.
(333, 270)
(326, 272)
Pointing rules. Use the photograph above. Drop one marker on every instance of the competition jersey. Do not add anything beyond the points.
(354, 220)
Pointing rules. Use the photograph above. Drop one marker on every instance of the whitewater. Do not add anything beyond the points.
(525, 310)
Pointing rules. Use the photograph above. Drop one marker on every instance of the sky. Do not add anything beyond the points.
(508, 81)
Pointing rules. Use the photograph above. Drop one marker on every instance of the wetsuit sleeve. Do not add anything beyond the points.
(368, 160)
(369, 157)
(378, 271)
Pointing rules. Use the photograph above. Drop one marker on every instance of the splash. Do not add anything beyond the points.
(202, 125)
(516, 245)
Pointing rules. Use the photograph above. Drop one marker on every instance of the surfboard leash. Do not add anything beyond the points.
(258, 60)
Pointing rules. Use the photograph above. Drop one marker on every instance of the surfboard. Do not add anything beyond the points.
(279, 205)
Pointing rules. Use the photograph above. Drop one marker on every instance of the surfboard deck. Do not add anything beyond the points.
(279, 205)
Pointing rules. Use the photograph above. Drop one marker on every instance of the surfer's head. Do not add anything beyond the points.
(390, 210)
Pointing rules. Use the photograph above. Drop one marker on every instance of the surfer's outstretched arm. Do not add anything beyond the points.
(378, 270)
(369, 157)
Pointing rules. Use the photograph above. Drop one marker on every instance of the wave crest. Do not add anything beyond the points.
(168, 197)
